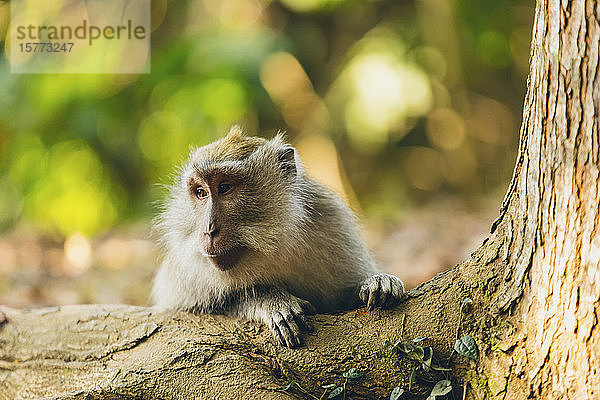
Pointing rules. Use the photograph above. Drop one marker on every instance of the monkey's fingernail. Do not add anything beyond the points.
(279, 339)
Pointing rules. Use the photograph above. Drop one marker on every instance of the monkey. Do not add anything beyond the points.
(247, 232)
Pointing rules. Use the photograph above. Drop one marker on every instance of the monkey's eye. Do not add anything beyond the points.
(200, 193)
(224, 187)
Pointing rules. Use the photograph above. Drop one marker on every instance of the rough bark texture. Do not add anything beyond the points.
(116, 351)
(535, 283)
(550, 218)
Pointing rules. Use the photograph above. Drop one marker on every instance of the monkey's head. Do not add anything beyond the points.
(236, 198)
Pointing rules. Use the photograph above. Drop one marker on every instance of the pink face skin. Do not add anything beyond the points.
(215, 196)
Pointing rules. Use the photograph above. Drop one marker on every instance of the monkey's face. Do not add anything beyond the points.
(239, 200)
(216, 197)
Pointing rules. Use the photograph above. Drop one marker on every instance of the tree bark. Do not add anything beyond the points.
(535, 286)
(117, 351)
(550, 218)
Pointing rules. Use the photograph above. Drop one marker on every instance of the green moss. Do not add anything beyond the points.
(478, 381)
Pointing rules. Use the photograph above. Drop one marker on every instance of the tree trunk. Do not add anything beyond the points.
(550, 218)
(535, 286)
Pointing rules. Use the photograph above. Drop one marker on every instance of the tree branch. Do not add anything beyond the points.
(117, 351)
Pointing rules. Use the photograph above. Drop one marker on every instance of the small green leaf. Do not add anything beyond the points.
(330, 386)
(419, 339)
(396, 393)
(411, 380)
(427, 355)
(353, 373)
(441, 388)
(466, 304)
(335, 392)
(289, 386)
(466, 346)
(416, 354)
(406, 347)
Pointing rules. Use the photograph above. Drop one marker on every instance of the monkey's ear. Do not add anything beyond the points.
(286, 158)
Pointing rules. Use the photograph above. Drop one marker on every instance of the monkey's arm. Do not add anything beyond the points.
(282, 312)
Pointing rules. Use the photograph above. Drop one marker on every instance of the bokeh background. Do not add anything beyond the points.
(409, 109)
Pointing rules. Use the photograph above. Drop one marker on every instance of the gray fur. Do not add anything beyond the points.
(305, 254)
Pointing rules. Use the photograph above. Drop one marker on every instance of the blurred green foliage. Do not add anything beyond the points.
(419, 97)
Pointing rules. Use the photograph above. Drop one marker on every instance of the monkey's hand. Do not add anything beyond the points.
(283, 313)
(382, 290)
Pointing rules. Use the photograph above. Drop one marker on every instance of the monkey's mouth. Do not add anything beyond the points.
(225, 259)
